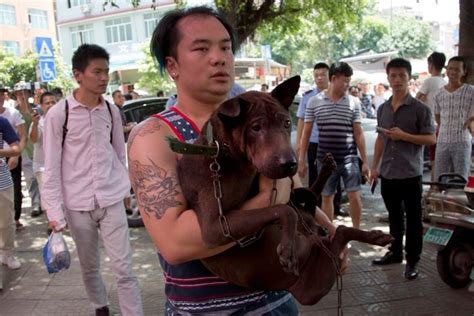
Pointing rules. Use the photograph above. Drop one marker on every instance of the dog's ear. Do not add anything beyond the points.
(286, 91)
(232, 107)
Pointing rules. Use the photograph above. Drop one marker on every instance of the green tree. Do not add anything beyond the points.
(14, 69)
(151, 79)
(411, 37)
(247, 16)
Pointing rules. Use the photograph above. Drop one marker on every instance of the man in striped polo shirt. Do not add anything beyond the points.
(338, 118)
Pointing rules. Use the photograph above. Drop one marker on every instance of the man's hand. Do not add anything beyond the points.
(344, 253)
(56, 226)
(35, 118)
(365, 170)
(302, 167)
(469, 124)
(12, 163)
(396, 133)
(373, 176)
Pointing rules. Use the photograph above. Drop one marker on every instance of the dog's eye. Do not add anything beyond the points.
(287, 124)
(256, 127)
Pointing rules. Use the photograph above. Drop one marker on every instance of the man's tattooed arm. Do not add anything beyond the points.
(156, 189)
(148, 126)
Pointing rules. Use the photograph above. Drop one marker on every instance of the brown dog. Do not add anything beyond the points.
(292, 253)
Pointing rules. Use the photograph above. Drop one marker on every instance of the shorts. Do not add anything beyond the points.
(349, 171)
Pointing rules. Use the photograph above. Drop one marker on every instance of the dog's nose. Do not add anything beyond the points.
(289, 167)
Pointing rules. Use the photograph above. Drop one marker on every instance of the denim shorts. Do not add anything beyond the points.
(349, 171)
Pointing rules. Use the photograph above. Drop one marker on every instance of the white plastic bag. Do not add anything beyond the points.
(55, 253)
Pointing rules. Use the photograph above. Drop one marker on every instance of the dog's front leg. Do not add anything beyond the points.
(244, 223)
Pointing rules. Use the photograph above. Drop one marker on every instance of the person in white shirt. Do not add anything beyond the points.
(47, 100)
(429, 88)
(454, 107)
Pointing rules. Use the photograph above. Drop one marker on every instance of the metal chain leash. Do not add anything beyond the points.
(215, 168)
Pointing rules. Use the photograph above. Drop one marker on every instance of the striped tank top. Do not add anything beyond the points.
(190, 287)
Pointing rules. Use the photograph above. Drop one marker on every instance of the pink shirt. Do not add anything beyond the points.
(89, 172)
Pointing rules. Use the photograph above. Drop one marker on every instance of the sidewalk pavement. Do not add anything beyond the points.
(367, 289)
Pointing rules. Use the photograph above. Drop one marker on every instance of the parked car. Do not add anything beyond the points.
(140, 109)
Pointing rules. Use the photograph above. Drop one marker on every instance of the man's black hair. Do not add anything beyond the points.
(340, 68)
(438, 60)
(85, 53)
(115, 92)
(166, 36)
(399, 63)
(461, 59)
(321, 66)
(58, 92)
(46, 94)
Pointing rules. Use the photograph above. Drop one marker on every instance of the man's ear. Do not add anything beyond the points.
(171, 67)
(286, 91)
(77, 75)
(232, 108)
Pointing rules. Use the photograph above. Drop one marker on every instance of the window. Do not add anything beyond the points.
(119, 30)
(10, 47)
(76, 3)
(7, 14)
(81, 34)
(151, 20)
(38, 18)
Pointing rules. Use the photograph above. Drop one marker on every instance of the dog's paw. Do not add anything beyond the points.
(380, 238)
(288, 259)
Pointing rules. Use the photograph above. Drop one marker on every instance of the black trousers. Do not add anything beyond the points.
(312, 163)
(402, 198)
(17, 194)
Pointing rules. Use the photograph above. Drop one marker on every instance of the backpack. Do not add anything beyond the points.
(65, 130)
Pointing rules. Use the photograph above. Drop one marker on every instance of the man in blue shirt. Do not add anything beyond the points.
(321, 79)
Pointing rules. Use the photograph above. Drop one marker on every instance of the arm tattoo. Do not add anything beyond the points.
(155, 187)
(149, 126)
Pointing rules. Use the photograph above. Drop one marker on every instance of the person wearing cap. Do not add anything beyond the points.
(23, 94)
(14, 163)
(7, 225)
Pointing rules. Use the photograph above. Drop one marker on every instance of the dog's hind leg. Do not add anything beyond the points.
(345, 234)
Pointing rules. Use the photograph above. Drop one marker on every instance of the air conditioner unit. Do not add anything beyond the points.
(86, 8)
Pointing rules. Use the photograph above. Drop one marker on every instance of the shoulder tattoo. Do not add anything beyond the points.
(156, 188)
(149, 126)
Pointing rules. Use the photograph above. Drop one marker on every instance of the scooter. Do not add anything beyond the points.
(450, 209)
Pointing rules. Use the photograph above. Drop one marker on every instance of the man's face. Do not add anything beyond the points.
(48, 102)
(119, 99)
(398, 79)
(340, 83)
(455, 71)
(204, 66)
(95, 77)
(321, 78)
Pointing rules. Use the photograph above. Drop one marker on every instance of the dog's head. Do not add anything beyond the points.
(256, 127)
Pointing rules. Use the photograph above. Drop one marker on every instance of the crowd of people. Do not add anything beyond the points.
(71, 152)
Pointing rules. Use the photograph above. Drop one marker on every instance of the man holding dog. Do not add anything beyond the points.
(340, 133)
(196, 48)
(405, 125)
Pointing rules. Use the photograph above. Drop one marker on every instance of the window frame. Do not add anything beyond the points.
(38, 18)
(119, 30)
(5, 10)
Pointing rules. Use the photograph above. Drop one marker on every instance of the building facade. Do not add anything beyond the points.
(22, 21)
(124, 31)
